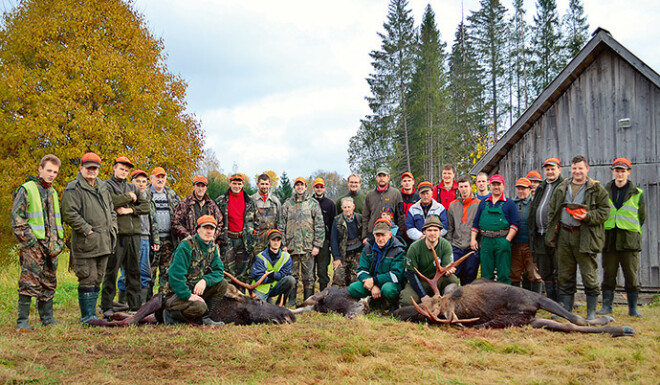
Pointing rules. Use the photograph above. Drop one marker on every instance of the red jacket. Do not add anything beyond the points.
(444, 196)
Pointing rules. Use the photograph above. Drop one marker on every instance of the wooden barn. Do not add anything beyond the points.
(603, 105)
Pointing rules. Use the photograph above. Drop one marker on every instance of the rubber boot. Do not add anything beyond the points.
(145, 294)
(536, 287)
(173, 317)
(307, 293)
(567, 301)
(551, 291)
(592, 301)
(87, 301)
(608, 298)
(122, 297)
(291, 296)
(632, 304)
(206, 318)
(46, 312)
(516, 284)
(24, 303)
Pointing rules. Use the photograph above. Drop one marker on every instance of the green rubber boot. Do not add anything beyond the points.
(632, 304)
(87, 301)
(24, 303)
(608, 299)
(592, 301)
(46, 312)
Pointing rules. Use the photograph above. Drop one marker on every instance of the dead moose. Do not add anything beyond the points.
(488, 304)
(335, 299)
(236, 308)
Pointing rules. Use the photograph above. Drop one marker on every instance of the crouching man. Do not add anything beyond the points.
(274, 259)
(420, 257)
(380, 271)
(196, 277)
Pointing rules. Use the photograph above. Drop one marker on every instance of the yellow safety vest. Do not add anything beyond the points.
(266, 287)
(36, 212)
(627, 217)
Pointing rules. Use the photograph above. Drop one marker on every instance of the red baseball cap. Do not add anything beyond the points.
(551, 162)
(622, 163)
(408, 174)
(497, 178)
(200, 179)
(90, 159)
(124, 160)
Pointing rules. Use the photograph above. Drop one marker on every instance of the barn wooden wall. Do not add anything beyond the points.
(584, 120)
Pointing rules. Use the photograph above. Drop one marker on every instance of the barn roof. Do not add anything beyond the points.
(601, 40)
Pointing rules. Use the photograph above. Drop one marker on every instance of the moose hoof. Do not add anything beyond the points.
(628, 331)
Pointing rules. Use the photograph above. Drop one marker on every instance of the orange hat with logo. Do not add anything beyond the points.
(552, 162)
(237, 177)
(158, 171)
(318, 181)
(408, 175)
(424, 185)
(207, 220)
(90, 159)
(534, 175)
(124, 160)
(200, 179)
(382, 226)
(138, 172)
(301, 180)
(622, 163)
(523, 182)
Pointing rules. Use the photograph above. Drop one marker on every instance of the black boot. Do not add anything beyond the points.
(551, 291)
(87, 300)
(632, 304)
(536, 287)
(516, 284)
(592, 301)
(206, 318)
(291, 296)
(122, 297)
(46, 312)
(24, 303)
(608, 299)
(567, 301)
(173, 317)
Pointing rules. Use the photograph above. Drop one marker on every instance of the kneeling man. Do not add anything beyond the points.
(196, 277)
(380, 271)
(420, 256)
(274, 259)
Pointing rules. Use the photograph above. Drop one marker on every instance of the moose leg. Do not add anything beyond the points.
(555, 308)
(614, 331)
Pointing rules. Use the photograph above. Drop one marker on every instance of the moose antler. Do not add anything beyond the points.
(453, 318)
(250, 288)
(440, 271)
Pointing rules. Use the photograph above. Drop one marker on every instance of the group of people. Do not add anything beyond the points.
(375, 241)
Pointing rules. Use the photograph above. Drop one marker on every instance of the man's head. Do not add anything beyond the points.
(90, 164)
(158, 179)
(432, 229)
(122, 167)
(347, 206)
(206, 225)
(354, 183)
(387, 212)
(621, 169)
(407, 181)
(236, 183)
(274, 240)
(497, 185)
(263, 183)
(552, 169)
(319, 186)
(200, 185)
(139, 179)
(382, 232)
(464, 186)
(482, 183)
(382, 177)
(49, 167)
(300, 185)
(448, 173)
(535, 178)
(523, 188)
(579, 169)
(425, 190)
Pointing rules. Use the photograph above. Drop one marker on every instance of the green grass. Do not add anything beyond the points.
(318, 348)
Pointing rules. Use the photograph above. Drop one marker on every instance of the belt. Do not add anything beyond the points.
(570, 229)
(494, 234)
(235, 234)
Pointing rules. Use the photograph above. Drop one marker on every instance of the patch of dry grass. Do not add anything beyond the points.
(317, 349)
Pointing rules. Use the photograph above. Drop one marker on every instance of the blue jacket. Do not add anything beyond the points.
(259, 268)
(415, 219)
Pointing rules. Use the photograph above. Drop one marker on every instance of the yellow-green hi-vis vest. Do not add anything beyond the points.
(266, 287)
(627, 217)
(36, 212)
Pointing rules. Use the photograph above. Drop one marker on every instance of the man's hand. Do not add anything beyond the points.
(133, 196)
(580, 216)
(336, 264)
(375, 292)
(315, 251)
(90, 232)
(368, 283)
(124, 210)
(365, 241)
(284, 249)
(200, 287)
(195, 298)
(155, 247)
(451, 271)
(474, 245)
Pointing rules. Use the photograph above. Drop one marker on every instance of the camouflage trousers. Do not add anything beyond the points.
(160, 261)
(237, 260)
(38, 273)
(304, 262)
(193, 309)
(346, 273)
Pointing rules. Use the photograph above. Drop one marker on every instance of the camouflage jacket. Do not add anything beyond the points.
(248, 221)
(302, 224)
(173, 201)
(184, 222)
(339, 234)
(266, 218)
(192, 261)
(19, 219)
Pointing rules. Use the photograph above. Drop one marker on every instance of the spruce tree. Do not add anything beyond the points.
(284, 190)
(520, 61)
(546, 48)
(575, 28)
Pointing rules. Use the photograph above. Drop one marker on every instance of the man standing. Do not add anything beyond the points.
(521, 256)
(322, 259)
(623, 236)
(544, 255)
(164, 202)
(424, 208)
(447, 190)
(420, 256)
(194, 206)
(534, 177)
(129, 205)
(354, 192)
(35, 218)
(380, 272)
(273, 258)
(409, 197)
(267, 212)
(460, 217)
(482, 186)
(376, 199)
(497, 222)
(87, 207)
(578, 209)
(196, 276)
(237, 240)
(304, 233)
(346, 243)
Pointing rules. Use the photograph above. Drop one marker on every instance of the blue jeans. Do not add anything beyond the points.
(145, 267)
(467, 271)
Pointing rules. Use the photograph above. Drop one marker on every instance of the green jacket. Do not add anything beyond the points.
(622, 240)
(128, 224)
(192, 261)
(302, 224)
(86, 208)
(420, 257)
(390, 266)
(248, 221)
(358, 199)
(536, 202)
(592, 232)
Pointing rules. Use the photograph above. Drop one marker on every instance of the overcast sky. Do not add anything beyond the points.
(280, 85)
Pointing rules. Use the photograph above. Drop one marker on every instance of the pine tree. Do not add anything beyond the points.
(520, 61)
(546, 48)
(284, 190)
(576, 29)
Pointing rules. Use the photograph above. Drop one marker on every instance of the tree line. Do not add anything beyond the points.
(431, 105)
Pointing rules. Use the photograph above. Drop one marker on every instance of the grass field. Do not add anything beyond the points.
(317, 349)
